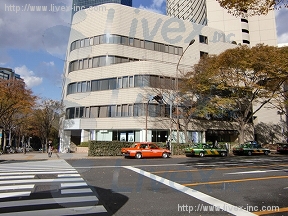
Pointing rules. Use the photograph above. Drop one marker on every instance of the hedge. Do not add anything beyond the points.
(113, 148)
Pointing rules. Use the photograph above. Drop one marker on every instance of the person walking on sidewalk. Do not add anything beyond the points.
(50, 148)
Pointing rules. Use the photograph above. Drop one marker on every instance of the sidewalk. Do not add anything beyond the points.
(43, 156)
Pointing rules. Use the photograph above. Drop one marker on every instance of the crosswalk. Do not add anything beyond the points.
(45, 188)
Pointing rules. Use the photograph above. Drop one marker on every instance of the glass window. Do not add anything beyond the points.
(104, 84)
(149, 45)
(166, 48)
(124, 110)
(103, 111)
(90, 63)
(180, 51)
(79, 87)
(84, 86)
(77, 44)
(142, 44)
(86, 43)
(137, 43)
(203, 39)
(162, 48)
(95, 85)
(88, 89)
(102, 39)
(112, 83)
(154, 81)
(124, 60)
(81, 112)
(87, 112)
(102, 61)
(145, 80)
(176, 51)
(72, 46)
(110, 60)
(171, 49)
(120, 82)
(131, 41)
(94, 112)
(95, 62)
(80, 64)
(112, 111)
(72, 88)
(131, 81)
(130, 110)
(125, 82)
(203, 54)
(137, 81)
(77, 112)
(91, 41)
(137, 110)
(70, 113)
(118, 111)
(85, 63)
(117, 39)
(75, 65)
(124, 40)
(96, 40)
(82, 43)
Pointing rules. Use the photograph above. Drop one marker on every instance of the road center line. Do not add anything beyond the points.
(194, 193)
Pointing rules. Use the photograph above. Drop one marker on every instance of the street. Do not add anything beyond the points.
(236, 185)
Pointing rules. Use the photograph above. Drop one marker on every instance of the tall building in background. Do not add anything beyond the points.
(192, 10)
(84, 4)
(8, 73)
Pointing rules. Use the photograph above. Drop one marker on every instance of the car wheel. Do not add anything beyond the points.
(138, 155)
(201, 154)
(249, 153)
(223, 154)
(266, 152)
(164, 155)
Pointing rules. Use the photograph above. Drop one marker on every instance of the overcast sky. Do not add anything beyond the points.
(34, 43)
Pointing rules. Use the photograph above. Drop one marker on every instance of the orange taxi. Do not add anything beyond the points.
(145, 150)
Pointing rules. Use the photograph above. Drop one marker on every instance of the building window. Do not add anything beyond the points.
(203, 39)
(245, 31)
(203, 54)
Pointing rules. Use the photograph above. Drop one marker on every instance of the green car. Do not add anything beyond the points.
(250, 149)
(202, 149)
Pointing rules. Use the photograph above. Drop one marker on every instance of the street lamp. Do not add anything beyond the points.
(159, 99)
(177, 88)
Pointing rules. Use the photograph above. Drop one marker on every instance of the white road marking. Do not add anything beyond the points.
(42, 181)
(194, 193)
(15, 194)
(80, 190)
(17, 177)
(16, 187)
(31, 172)
(68, 175)
(78, 184)
(61, 211)
(60, 200)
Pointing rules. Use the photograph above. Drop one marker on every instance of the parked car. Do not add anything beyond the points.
(250, 148)
(282, 148)
(202, 149)
(145, 150)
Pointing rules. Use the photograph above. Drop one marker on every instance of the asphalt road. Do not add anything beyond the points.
(239, 185)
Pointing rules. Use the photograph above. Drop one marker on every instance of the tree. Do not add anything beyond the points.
(16, 102)
(239, 82)
(252, 7)
(45, 120)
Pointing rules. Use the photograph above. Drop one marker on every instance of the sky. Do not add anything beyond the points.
(33, 43)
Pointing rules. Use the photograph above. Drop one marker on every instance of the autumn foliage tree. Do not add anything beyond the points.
(16, 103)
(45, 120)
(252, 7)
(239, 81)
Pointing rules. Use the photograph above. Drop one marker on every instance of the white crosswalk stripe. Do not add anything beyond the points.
(45, 188)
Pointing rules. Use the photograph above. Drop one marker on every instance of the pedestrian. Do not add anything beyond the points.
(50, 148)
(168, 144)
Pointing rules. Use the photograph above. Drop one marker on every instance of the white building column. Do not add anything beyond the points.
(85, 135)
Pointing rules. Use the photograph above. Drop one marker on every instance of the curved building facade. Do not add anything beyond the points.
(78, 5)
(192, 10)
(114, 68)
